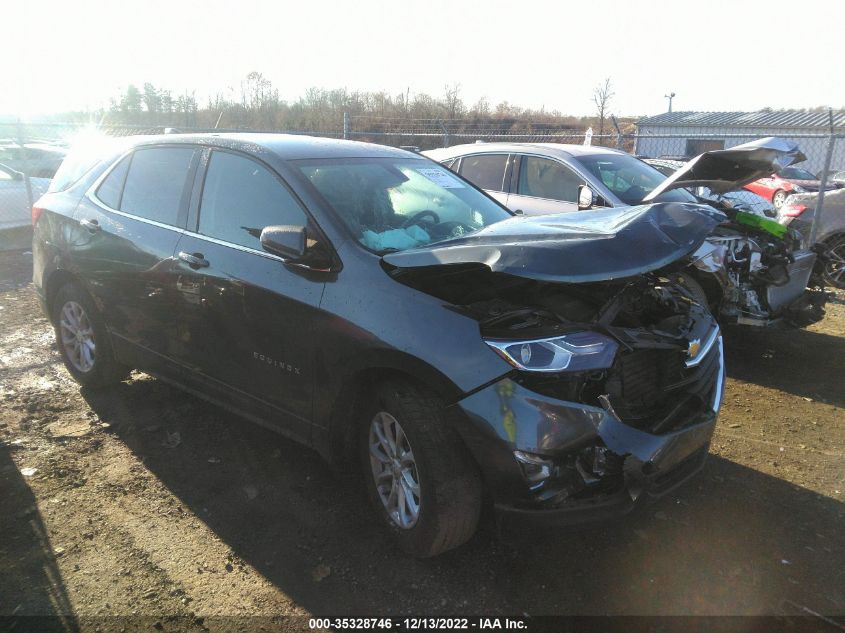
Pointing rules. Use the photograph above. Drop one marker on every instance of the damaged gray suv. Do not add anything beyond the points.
(371, 304)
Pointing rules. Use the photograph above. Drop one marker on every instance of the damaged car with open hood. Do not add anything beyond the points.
(373, 305)
(751, 270)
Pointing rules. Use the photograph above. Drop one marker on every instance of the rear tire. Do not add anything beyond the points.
(408, 451)
(83, 340)
(834, 272)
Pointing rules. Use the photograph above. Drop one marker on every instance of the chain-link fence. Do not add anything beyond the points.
(422, 134)
(31, 153)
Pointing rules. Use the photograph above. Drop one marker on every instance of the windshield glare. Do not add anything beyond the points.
(394, 204)
(629, 178)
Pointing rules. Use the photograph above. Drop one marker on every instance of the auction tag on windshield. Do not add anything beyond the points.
(441, 177)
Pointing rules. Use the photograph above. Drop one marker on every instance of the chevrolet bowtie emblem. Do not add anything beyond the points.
(694, 348)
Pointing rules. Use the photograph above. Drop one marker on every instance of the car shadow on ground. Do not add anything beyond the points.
(732, 541)
(27, 555)
(779, 359)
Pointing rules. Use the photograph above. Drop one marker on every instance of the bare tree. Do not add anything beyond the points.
(152, 101)
(602, 94)
(454, 105)
(481, 109)
(257, 92)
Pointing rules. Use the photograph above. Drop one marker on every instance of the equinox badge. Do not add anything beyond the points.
(291, 369)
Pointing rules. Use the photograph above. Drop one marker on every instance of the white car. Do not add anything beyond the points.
(15, 208)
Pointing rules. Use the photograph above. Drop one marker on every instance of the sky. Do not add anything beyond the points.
(76, 54)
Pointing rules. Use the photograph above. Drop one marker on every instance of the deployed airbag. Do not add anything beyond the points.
(400, 239)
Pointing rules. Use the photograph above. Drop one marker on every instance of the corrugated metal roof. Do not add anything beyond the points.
(761, 118)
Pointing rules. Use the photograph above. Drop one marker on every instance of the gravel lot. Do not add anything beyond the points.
(146, 500)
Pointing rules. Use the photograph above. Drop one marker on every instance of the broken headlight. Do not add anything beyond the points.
(535, 469)
(579, 351)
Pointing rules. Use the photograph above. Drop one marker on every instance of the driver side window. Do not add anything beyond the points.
(240, 197)
(545, 178)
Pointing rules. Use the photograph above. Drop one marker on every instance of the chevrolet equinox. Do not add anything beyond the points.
(379, 308)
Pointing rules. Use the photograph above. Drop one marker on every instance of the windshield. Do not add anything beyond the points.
(797, 174)
(393, 204)
(629, 178)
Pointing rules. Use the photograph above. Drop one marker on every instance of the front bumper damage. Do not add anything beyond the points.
(593, 466)
(758, 297)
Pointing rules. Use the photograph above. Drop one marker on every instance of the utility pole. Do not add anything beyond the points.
(670, 96)
(817, 212)
(25, 165)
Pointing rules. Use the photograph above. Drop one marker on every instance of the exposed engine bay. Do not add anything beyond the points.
(752, 271)
(663, 368)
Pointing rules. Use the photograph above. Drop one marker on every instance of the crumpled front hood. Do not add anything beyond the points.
(726, 169)
(581, 247)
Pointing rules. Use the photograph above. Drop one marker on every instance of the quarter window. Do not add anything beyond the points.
(109, 191)
(486, 171)
(156, 183)
(240, 197)
(544, 178)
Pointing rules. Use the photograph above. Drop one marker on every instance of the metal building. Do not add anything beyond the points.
(683, 135)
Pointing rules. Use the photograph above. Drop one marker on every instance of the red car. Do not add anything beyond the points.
(790, 180)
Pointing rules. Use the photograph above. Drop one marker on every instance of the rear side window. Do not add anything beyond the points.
(486, 172)
(544, 178)
(110, 189)
(240, 197)
(155, 183)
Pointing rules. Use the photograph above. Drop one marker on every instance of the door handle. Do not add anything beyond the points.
(91, 225)
(194, 260)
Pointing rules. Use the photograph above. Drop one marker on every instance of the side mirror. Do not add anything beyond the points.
(288, 242)
(586, 197)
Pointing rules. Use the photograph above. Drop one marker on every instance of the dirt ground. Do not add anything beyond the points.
(145, 500)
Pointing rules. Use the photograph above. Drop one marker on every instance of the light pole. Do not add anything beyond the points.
(670, 96)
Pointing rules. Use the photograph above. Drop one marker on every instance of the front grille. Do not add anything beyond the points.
(653, 390)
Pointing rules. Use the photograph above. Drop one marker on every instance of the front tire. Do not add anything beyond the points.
(778, 199)
(419, 476)
(83, 340)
